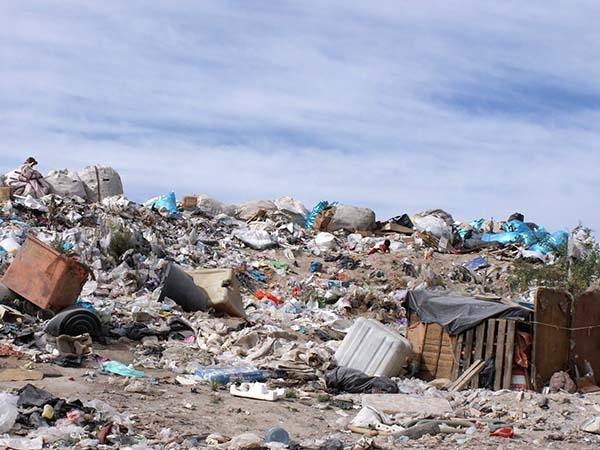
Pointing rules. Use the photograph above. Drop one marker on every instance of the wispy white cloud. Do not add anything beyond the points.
(481, 109)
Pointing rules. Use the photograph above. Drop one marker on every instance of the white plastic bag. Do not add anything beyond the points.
(434, 225)
(256, 239)
(8, 411)
(325, 241)
(10, 244)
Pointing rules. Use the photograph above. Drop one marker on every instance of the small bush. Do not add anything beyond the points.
(574, 275)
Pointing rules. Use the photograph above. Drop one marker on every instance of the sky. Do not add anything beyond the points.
(480, 108)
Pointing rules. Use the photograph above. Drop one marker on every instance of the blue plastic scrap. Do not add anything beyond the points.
(167, 202)
(538, 240)
(257, 275)
(318, 209)
(476, 263)
(477, 224)
(315, 266)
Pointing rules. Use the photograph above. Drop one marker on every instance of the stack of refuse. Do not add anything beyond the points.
(42, 420)
(266, 293)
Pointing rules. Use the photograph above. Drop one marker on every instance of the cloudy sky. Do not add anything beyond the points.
(479, 108)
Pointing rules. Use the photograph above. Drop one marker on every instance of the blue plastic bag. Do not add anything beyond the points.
(167, 202)
(551, 243)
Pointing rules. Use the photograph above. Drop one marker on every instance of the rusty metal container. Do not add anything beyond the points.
(44, 276)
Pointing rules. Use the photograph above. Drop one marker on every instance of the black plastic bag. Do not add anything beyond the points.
(343, 379)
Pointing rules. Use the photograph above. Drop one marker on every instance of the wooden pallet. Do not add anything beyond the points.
(490, 339)
(444, 356)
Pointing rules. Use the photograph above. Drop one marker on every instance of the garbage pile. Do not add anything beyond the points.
(44, 420)
(263, 301)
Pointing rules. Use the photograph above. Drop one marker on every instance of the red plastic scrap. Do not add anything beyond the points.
(268, 295)
(505, 432)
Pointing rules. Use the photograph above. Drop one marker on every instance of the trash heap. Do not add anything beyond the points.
(262, 301)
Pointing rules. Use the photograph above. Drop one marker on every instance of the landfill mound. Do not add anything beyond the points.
(189, 323)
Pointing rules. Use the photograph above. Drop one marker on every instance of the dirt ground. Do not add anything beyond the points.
(201, 410)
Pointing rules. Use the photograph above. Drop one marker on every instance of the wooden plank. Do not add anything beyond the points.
(499, 360)
(551, 337)
(478, 353)
(468, 348)
(466, 377)
(457, 356)
(446, 358)
(508, 353)
(416, 336)
(586, 313)
(491, 335)
(431, 351)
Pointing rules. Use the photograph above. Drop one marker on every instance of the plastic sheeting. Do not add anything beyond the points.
(537, 240)
(456, 313)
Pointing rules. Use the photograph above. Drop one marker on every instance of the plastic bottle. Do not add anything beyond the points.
(226, 375)
(277, 434)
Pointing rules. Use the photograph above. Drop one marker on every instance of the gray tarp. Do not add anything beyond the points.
(457, 314)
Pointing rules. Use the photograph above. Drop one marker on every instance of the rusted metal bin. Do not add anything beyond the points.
(45, 277)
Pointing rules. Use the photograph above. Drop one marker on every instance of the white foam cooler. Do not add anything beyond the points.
(374, 349)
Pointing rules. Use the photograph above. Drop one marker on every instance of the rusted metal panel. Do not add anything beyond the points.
(551, 334)
(45, 277)
(586, 332)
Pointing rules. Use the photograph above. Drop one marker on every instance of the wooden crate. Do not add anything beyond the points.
(445, 356)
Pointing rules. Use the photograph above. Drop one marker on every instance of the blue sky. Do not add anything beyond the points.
(479, 108)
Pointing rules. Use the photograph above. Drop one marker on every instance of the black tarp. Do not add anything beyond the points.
(457, 313)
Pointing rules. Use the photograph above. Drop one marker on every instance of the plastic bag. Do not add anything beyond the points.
(434, 225)
(8, 411)
(352, 219)
(164, 204)
(325, 241)
(17, 443)
(256, 239)
(121, 369)
(344, 379)
(10, 245)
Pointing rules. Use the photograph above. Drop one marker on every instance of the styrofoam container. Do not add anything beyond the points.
(374, 349)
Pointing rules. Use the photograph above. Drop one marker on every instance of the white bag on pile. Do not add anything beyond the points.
(325, 241)
(246, 211)
(288, 204)
(66, 184)
(256, 239)
(100, 182)
(352, 218)
(433, 225)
